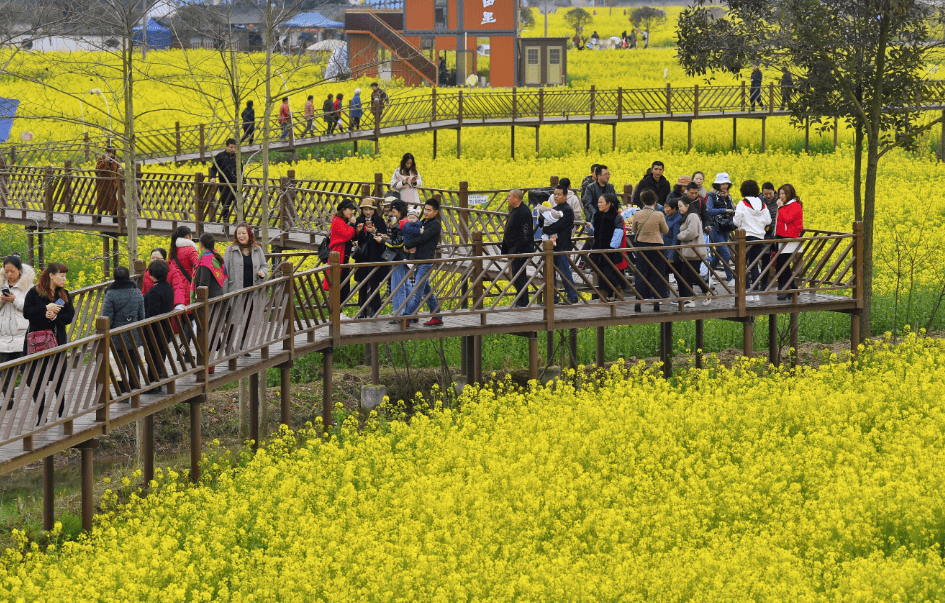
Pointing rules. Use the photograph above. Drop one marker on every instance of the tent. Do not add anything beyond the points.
(337, 66)
(159, 37)
(7, 113)
(312, 21)
(326, 45)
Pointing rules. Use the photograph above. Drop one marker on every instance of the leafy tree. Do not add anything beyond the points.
(862, 61)
(527, 18)
(577, 18)
(647, 16)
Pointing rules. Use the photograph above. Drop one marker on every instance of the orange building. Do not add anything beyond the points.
(426, 38)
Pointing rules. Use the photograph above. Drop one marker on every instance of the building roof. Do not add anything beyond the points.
(315, 20)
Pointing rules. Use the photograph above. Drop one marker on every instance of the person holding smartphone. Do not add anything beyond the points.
(406, 180)
(16, 279)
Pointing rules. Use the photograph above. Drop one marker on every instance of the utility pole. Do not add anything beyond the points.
(546, 18)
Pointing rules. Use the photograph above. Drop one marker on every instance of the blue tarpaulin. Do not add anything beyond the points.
(7, 113)
(312, 20)
(159, 37)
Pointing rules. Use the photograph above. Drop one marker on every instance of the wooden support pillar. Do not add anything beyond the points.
(434, 144)
(254, 409)
(600, 347)
(773, 340)
(807, 135)
(327, 398)
(459, 142)
(748, 337)
(572, 348)
(356, 147)
(689, 132)
(764, 141)
(854, 333)
(30, 247)
(666, 348)
(105, 257)
(464, 355)
(195, 441)
(537, 142)
(377, 146)
(587, 138)
(88, 504)
(375, 363)
(477, 358)
(116, 259)
(285, 393)
(549, 347)
(533, 356)
(147, 449)
(41, 248)
(794, 340)
(49, 492)
(613, 136)
(836, 123)
(662, 125)
(734, 133)
(700, 342)
(512, 129)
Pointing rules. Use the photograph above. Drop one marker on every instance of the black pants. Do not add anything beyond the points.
(690, 273)
(226, 200)
(754, 95)
(130, 368)
(521, 282)
(371, 284)
(355, 122)
(249, 132)
(330, 121)
(784, 278)
(609, 280)
(754, 272)
(766, 266)
(785, 98)
(47, 369)
(158, 351)
(649, 279)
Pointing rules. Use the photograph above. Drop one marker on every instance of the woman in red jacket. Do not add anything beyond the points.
(159, 253)
(182, 261)
(789, 226)
(344, 228)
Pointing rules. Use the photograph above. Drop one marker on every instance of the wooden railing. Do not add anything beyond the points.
(449, 108)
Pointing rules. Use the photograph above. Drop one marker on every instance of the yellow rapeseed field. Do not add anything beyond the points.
(730, 484)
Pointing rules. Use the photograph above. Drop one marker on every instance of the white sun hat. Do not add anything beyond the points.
(722, 178)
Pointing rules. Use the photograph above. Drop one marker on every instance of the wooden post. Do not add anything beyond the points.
(459, 123)
(734, 133)
(512, 130)
(106, 255)
(613, 136)
(434, 144)
(541, 105)
(619, 104)
(794, 327)
(103, 370)
(572, 348)
(177, 145)
(854, 333)
(661, 134)
(748, 337)
(593, 103)
(462, 198)
(378, 184)
(740, 272)
(548, 259)
(858, 274)
(433, 106)
(200, 204)
(88, 505)
(514, 103)
(334, 295)
(49, 190)
(669, 99)
(743, 96)
(587, 138)
(30, 246)
(203, 145)
(627, 195)
(202, 317)
(254, 403)
(600, 347)
(477, 358)
(689, 148)
(770, 98)
(195, 441)
(49, 492)
(65, 200)
(807, 135)
(533, 355)
(764, 120)
(549, 347)
(666, 349)
(773, 358)
(537, 148)
(695, 101)
(147, 449)
(285, 394)
(700, 342)
(327, 404)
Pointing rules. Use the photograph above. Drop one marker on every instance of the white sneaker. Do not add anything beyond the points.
(731, 282)
(707, 301)
(689, 304)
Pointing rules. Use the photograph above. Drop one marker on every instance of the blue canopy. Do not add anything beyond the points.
(7, 113)
(159, 37)
(312, 20)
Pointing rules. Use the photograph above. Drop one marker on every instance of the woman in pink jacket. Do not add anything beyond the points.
(182, 261)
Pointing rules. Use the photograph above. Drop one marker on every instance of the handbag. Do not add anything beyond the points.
(324, 250)
(725, 223)
(40, 341)
(361, 254)
(389, 255)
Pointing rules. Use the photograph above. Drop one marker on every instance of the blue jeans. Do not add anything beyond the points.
(562, 264)
(420, 290)
(716, 237)
(285, 131)
(400, 286)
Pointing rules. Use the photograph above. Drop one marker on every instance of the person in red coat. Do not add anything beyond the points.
(344, 228)
(159, 253)
(108, 177)
(182, 261)
(789, 226)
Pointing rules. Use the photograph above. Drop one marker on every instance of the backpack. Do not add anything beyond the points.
(324, 250)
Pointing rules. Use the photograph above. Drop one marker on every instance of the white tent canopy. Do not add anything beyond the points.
(326, 45)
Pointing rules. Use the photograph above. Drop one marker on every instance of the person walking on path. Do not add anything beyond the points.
(108, 184)
(752, 216)
(595, 190)
(48, 307)
(654, 181)
(309, 113)
(211, 273)
(755, 91)
(609, 233)
(576, 208)
(674, 220)
(790, 226)
(341, 238)
(721, 212)
(249, 123)
(245, 261)
(158, 253)
(356, 111)
(691, 234)
(182, 261)
(15, 282)
(406, 179)
(123, 305)
(423, 247)
(158, 300)
(337, 112)
(769, 196)
(379, 101)
(371, 248)
(285, 118)
(518, 238)
(223, 169)
(394, 244)
(648, 226)
(328, 111)
(787, 88)
(561, 230)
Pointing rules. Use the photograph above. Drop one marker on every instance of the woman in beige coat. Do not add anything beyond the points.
(690, 233)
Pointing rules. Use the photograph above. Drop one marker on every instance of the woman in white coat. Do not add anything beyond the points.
(406, 179)
(15, 281)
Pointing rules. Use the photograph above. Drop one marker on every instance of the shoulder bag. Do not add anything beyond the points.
(40, 341)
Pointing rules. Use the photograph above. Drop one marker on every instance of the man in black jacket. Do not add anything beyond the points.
(328, 109)
(561, 230)
(424, 248)
(249, 123)
(654, 181)
(595, 190)
(518, 238)
(224, 166)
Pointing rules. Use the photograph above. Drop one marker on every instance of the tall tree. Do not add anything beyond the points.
(647, 16)
(577, 18)
(862, 61)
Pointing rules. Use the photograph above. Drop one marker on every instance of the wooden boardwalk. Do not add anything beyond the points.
(454, 109)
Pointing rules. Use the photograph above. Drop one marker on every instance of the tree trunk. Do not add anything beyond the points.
(858, 174)
(869, 218)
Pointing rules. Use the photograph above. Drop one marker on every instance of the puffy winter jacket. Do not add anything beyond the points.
(753, 216)
(13, 324)
(181, 281)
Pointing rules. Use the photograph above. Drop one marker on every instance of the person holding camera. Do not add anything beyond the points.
(341, 238)
(406, 179)
(721, 212)
(49, 310)
(15, 281)
(371, 248)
